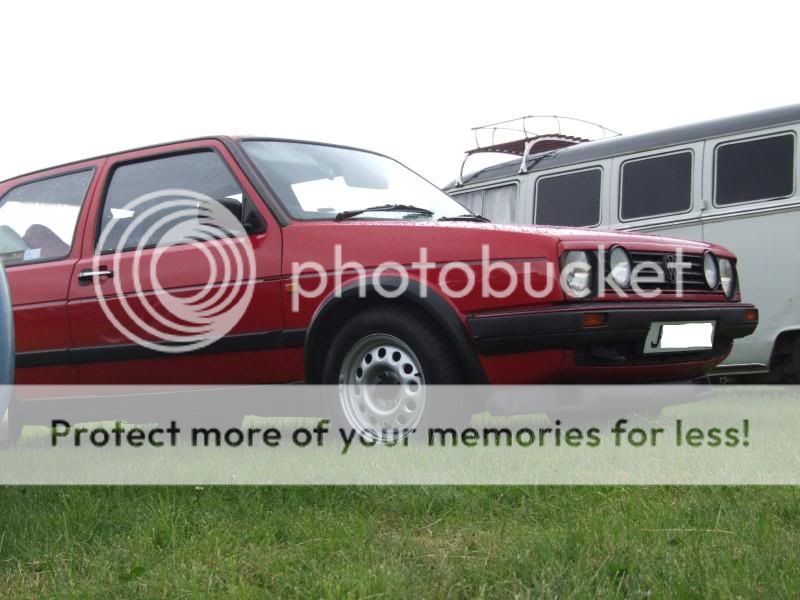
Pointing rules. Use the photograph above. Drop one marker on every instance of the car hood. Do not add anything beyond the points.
(400, 241)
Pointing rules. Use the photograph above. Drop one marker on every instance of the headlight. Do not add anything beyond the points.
(727, 275)
(711, 270)
(620, 264)
(578, 272)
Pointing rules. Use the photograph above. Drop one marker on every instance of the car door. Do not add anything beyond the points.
(39, 218)
(152, 304)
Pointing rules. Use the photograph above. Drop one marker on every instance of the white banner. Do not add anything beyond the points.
(648, 435)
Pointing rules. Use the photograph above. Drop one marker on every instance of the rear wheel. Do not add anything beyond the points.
(382, 362)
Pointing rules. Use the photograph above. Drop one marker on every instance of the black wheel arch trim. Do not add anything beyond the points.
(432, 303)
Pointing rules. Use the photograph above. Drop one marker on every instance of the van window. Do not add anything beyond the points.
(761, 169)
(569, 199)
(38, 219)
(138, 212)
(498, 204)
(472, 201)
(658, 185)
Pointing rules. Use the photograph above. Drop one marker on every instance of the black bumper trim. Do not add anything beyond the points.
(561, 327)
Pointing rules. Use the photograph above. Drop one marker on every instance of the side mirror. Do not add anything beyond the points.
(244, 212)
(252, 221)
(234, 206)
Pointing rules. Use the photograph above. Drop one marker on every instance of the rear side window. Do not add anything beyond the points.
(138, 211)
(659, 185)
(38, 219)
(569, 199)
(498, 204)
(761, 169)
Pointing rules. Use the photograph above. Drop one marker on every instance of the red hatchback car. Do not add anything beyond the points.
(337, 265)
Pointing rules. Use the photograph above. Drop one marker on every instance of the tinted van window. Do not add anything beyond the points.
(38, 220)
(659, 185)
(569, 199)
(755, 170)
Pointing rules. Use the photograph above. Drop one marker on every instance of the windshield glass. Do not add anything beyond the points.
(319, 182)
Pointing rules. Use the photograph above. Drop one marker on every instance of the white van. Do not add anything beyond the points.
(730, 181)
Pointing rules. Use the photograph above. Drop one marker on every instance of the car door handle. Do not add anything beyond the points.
(87, 276)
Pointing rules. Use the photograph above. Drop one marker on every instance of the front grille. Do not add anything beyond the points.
(694, 279)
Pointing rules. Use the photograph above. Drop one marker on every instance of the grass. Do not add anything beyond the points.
(431, 542)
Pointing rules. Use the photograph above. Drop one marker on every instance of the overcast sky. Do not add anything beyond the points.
(405, 78)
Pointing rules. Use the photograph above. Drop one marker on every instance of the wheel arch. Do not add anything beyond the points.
(783, 345)
(339, 307)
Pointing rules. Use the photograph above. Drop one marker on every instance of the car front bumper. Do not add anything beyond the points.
(564, 327)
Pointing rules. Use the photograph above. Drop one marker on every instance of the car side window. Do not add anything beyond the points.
(149, 202)
(38, 219)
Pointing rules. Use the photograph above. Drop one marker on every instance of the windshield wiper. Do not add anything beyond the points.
(467, 217)
(348, 214)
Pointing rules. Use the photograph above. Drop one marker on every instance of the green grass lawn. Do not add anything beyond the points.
(400, 541)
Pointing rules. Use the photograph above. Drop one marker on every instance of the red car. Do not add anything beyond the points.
(342, 266)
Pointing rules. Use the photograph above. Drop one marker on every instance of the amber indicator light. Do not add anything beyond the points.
(594, 320)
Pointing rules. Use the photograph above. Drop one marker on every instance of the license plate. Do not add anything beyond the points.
(679, 337)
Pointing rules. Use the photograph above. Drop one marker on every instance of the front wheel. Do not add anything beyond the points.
(382, 362)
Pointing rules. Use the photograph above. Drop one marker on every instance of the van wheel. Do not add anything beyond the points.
(381, 362)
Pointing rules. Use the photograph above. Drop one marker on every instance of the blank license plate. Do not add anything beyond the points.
(679, 337)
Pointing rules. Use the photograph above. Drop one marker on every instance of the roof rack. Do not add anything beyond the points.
(531, 142)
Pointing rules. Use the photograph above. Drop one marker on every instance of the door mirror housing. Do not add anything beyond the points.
(244, 211)
(252, 221)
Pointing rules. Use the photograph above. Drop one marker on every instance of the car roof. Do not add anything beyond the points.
(221, 138)
(628, 144)
(109, 154)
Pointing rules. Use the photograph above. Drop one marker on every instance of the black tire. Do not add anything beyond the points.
(794, 361)
(421, 335)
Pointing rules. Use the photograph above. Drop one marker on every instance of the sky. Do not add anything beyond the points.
(408, 79)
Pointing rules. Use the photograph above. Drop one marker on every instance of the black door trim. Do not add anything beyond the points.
(268, 340)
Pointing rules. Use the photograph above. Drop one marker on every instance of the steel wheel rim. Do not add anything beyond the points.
(382, 388)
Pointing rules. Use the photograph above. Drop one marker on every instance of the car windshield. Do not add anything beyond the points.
(320, 182)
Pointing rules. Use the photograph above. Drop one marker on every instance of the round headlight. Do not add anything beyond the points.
(727, 276)
(620, 264)
(577, 272)
(711, 270)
